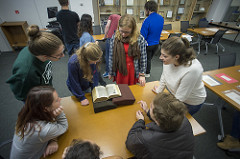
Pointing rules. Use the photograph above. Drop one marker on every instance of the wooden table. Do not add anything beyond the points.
(233, 72)
(164, 35)
(228, 25)
(98, 37)
(109, 129)
(207, 32)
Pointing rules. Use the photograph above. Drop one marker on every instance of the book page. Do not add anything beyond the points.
(113, 90)
(101, 92)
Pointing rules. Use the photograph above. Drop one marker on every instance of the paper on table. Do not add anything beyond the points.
(165, 32)
(210, 81)
(234, 95)
(188, 37)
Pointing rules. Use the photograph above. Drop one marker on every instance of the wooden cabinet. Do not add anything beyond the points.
(16, 33)
(171, 10)
(200, 10)
(176, 10)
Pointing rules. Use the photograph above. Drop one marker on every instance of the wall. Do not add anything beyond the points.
(35, 12)
(217, 10)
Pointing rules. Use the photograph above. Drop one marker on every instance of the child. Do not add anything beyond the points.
(84, 149)
(168, 136)
(83, 70)
(39, 122)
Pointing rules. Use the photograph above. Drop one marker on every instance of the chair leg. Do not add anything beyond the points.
(217, 48)
(223, 49)
(206, 45)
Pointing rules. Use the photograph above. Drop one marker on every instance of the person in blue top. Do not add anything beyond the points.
(85, 30)
(151, 30)
(83, 69)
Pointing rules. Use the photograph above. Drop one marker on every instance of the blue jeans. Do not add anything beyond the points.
(71, 48)
(236, 125)
(192, 109)
(107, 54)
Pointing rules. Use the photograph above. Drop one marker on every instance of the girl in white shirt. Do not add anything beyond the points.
(182, 73)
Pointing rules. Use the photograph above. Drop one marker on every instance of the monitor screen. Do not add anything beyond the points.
(52, 12)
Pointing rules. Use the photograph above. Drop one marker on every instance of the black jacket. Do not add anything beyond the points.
(153, 143)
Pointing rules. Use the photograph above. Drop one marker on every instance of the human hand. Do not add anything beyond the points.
(84, 102)
(142, 80)
(155, 89)
(58, 111)
(110, 77)
(144, 106)
(65, 152)
(139, 115)
(51, 148)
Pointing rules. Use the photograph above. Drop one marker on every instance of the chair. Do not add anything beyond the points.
(96, 30)
(203, 24)
(175, 34)
(214, 40)
(226, 60)
(167, 27)
(184, 26)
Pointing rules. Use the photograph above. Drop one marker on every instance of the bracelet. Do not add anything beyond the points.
(142, 75)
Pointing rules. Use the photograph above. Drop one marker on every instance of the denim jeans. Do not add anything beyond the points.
(71, 48)
(107, 54)
(150, 52)
(236, 125)
(192, 109)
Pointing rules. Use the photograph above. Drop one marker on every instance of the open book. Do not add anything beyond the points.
(101, 93)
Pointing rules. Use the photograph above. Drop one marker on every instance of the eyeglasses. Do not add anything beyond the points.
(125, 32)
(58, 56)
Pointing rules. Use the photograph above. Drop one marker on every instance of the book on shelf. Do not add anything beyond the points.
(101, 93)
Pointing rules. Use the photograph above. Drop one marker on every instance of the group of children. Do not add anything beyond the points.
(42, 119)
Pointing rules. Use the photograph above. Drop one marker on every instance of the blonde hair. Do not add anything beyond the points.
(88, 52)
(42, 43)
(179, 46)
(128, 21)
(168, 111)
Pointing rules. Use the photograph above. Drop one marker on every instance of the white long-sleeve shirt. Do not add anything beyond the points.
(184, 82)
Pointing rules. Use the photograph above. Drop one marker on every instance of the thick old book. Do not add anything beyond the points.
(101, 93)
(127, 97)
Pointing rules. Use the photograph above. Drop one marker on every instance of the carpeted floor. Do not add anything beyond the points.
(205, 145)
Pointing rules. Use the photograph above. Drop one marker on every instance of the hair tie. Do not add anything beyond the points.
(85, 46)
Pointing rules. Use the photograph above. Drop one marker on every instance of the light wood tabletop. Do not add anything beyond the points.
(209, 31)
(233, 72)
(109, 129)
(98, 37)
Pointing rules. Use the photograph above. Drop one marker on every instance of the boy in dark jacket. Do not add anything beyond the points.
(168, 136)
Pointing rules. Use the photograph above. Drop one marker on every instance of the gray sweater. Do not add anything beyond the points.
(33, 145)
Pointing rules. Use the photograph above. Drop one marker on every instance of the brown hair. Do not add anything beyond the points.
(151, 6)
(168, 111)
(88, 52)
(179, 46)
(63, 2)
(85, 25)
(42, 43)
(38, 99)
(83, 149)
(128, 21)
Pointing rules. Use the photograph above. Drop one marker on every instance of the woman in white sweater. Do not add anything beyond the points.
(182, 73)
(39, 123)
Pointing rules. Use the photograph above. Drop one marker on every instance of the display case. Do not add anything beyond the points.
(16, 33)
